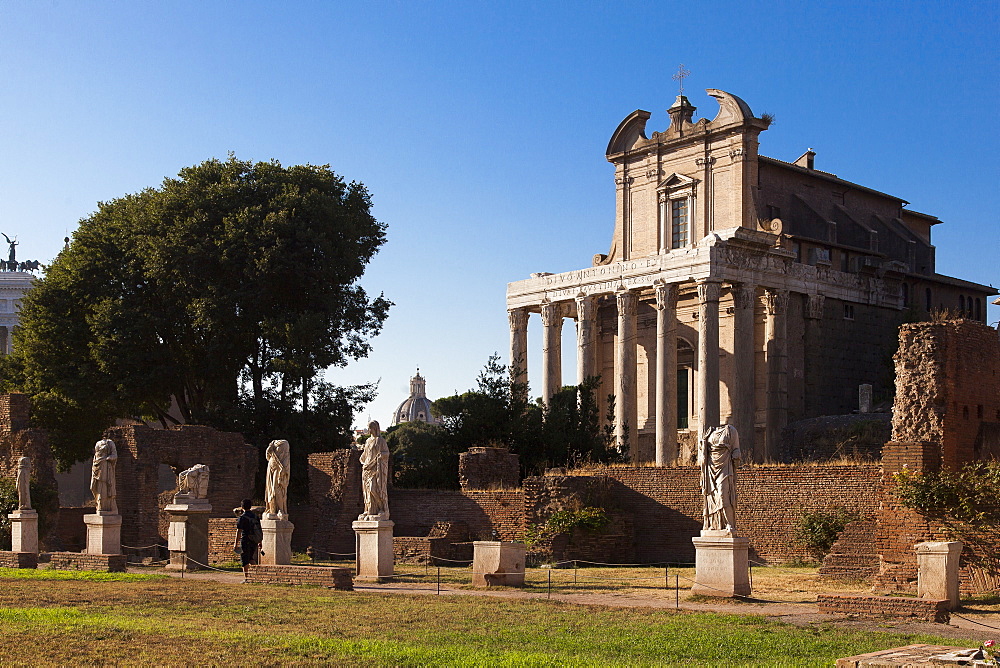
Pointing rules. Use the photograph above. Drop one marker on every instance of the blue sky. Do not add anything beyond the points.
(480, 128)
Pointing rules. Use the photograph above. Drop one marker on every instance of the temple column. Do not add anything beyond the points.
(586, 324)
(708, 354)
(666, 374)
(552, 320)
(625, 368)
(518, 318)
(813, 345)
(743, 390)
(776, 347)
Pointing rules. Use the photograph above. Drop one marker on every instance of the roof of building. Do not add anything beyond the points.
(416, 407)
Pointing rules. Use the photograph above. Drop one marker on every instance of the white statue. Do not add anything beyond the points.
(375, 475)
(718, 455)
(194, 481)
(279, 466)
(24, 483)
(102, 477)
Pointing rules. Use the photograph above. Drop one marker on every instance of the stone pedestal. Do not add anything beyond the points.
(373, 545)
(276, 549)
(497, 562)
(937, 571)
(104, 533)
(24, 531)
(722, 564)
(187, 537)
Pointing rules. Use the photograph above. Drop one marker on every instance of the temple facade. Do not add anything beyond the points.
(737, 289)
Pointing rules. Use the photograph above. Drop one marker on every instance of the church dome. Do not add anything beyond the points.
(417, 407)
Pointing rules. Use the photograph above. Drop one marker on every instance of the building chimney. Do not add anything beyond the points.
(807, 159)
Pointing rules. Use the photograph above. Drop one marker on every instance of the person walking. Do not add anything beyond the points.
(249, 535)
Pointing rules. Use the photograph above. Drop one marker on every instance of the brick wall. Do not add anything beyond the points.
(142, 449)
(665, 505)
(488, 468)
(15, 410)
(320, 576)
(335, 498)
(18, 559)
(931, 610)
(416, 510)
(947, 386)
(75, 561)
(18, 440)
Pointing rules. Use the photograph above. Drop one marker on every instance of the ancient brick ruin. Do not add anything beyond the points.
(141, 451)
(18, 439)
(488, 468)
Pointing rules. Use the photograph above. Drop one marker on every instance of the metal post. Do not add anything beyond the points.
(184, 566)
(574, 572)
(666, 577)
(677, 591)
(439, 579)
(750, 565)
(550, 583)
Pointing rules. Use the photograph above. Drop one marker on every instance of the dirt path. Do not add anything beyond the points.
(963, 625)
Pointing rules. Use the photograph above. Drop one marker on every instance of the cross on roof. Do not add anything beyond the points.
(681, 75)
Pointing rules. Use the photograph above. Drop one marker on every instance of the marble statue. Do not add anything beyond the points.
(102, 477)
(375, 475)
(194, 481)
(718, 455)
(279, 466)
(24, 483)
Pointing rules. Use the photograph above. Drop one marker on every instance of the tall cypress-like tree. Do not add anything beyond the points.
(227, 290)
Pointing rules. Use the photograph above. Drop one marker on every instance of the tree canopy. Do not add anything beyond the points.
(227, 290)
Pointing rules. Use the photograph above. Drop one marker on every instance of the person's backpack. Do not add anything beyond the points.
(255, 533)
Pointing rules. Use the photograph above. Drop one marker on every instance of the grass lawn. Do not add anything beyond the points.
(50, 618)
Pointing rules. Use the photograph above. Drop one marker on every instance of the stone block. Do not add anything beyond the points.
(497, 562)
(187, 535)
(722, 564)
(319, 576)
(373, 544)
(18, 559)
(276, 550)
(24, 531)
(937, 571)
(103, 533)
(77, 561)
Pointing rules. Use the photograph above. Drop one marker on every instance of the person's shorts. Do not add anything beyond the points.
(249, 554)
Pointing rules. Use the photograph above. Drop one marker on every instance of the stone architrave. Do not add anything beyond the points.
(374, 559)
(24, 531)
(497, 562)
(937, 571)
(276, 548)
(187, 535)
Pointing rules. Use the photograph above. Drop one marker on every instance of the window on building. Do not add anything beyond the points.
(961, 305)
(929, 301)
(845, 261)
(906, 294)
(679, 223)
(848, 311)
(979, 310)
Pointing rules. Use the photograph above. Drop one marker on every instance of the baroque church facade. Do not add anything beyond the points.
(738, 288)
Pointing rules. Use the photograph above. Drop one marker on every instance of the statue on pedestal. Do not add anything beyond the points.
(718, 455)
(375, 475)
(194, 482)
(279, 465)
(102, 477)
(24, 483)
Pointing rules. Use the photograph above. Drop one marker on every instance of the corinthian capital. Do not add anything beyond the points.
(709, 291)
(744, 295)
(518, 318)
(776, 300)
(586, 308)
(552, 314)
(627, 302)
(666, 296)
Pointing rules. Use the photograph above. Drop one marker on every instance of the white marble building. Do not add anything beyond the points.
(738, 288)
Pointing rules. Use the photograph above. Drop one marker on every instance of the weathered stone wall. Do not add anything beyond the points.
(489, 468)
(858, 437)
(141, 450)
(18, 439)
(335, 497)
(947, 386)
(415, 511)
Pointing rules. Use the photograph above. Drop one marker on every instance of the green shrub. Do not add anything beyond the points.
(971, 494)
(588, 518)
(819, 530)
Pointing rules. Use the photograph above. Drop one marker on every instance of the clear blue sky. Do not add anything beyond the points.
(480, 128)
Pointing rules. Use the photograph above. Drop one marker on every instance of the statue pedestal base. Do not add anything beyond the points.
(722, 564)
(187, 537)
(374, 559)
(276, 549)
(24, 531)
(497, 562)
(104, 533)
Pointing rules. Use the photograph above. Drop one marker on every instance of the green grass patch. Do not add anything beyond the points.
(87, 576)
(199, 622)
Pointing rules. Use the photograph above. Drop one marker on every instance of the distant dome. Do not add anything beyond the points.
(417, 407)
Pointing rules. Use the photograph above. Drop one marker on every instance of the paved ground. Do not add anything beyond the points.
(965, 624)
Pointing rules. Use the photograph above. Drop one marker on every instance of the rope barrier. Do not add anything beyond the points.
(454, 561)
(131, 547)
(954, 614)
(189, 559)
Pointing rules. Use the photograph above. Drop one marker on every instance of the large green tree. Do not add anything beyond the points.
(227, 290)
